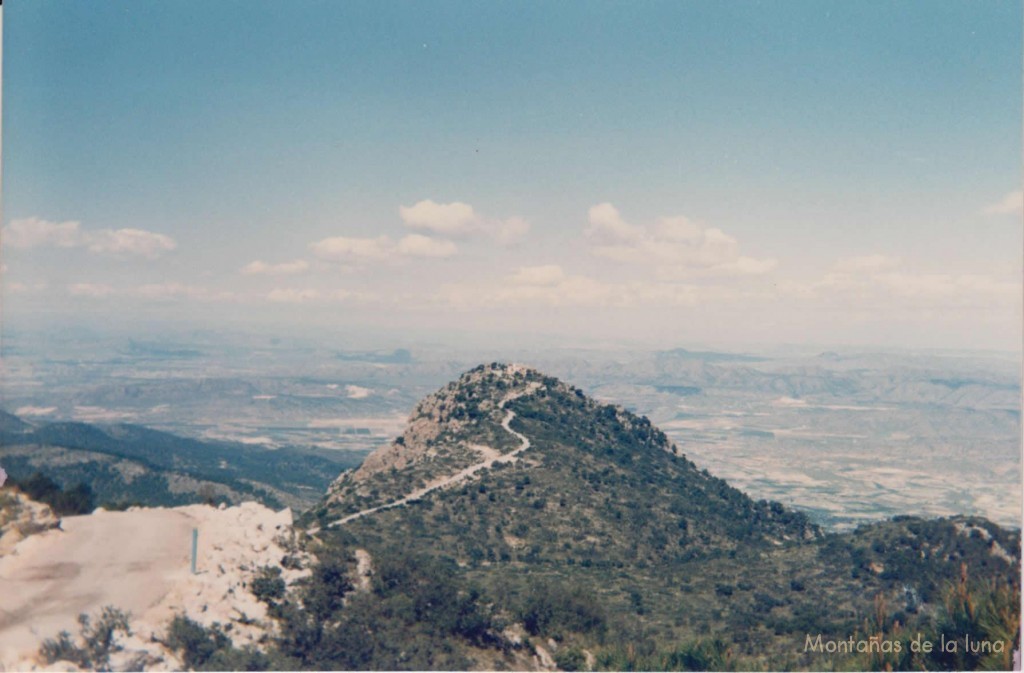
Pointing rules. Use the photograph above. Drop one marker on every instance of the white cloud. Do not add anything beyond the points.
(417, 245)
(746, 266)
(551, 286)
(441, 220)
(259, 267)
(293, 296)
(678, 229)
(358, 392)
(150, 292)
(287, 295)
(92, 290)
(605, 222)
(510, 231)
(942, 287)
(458, 219)
(34, 232)
(879, 282)
(177, 291)
(129, 242)
(570, 291)
(348, 249)
(550, 274)
(343, 249)
(678, 247)
(450, 219)
(1011, 204)
(23, 288)
(866, 263)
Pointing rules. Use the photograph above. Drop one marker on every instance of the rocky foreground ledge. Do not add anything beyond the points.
(138, 561)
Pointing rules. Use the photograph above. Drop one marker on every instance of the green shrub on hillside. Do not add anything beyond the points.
(97, 641)
(76, 500)
(210, 649)
(418, 615)
(555, 609)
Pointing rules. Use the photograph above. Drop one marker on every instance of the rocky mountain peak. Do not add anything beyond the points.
(449, 430)
(518, 447)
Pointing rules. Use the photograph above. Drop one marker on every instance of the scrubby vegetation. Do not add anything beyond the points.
(127, 464)
(702, 655)
(95, 643)
(203, 648)
(976, 627)
(418, 615)
(422, 613)
(605, 539)
(268, 586)
(77, 499)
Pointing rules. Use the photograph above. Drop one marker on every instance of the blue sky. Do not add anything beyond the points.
(667, 172)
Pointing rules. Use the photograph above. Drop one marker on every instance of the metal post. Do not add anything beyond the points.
(195, 544)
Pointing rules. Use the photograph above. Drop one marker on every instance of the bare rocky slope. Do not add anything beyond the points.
(137, 561)
(20, 517)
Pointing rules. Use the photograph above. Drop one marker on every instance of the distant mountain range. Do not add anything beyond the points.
(131, 464)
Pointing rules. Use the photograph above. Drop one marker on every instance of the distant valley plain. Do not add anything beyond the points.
(846, 436)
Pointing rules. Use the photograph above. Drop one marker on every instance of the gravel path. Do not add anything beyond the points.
(466, 473)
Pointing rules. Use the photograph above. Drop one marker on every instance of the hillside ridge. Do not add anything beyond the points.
(491, 457)
(455, 433)
(582, 522)
(126, 463)
(500, 417)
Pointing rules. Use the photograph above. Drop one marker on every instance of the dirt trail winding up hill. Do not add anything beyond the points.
(466, 473)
